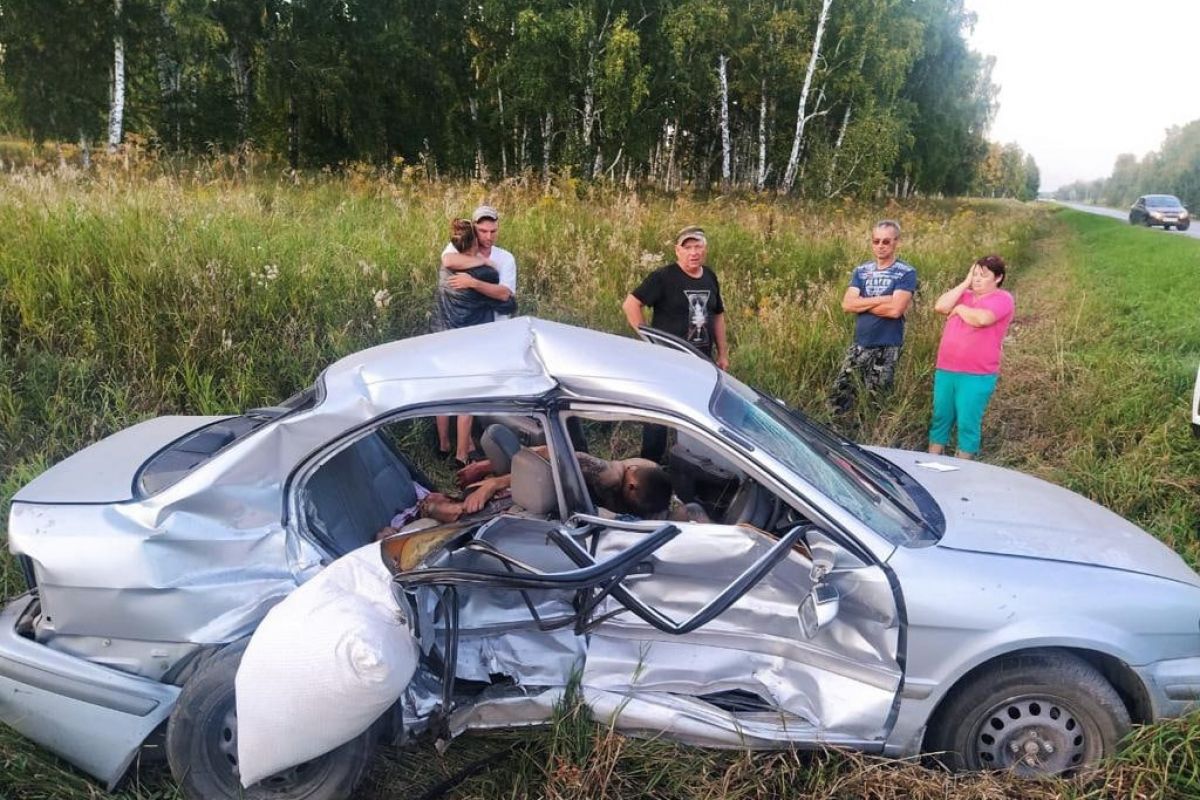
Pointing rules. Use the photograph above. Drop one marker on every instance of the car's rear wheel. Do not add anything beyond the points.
(202, 746)
(1036, 714)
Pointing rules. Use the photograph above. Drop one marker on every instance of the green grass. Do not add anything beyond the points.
(127, 294)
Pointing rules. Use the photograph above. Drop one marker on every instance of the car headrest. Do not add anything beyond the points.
(499, 444)
(533, 483)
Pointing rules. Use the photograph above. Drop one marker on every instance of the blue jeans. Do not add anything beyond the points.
(960, 397)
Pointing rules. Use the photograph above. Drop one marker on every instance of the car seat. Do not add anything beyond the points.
(533, 484)
(356, 493)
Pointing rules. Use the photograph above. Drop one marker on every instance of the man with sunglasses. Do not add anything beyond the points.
(879, 293)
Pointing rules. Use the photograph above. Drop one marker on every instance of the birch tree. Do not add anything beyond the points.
(116, 105)
(802, 116)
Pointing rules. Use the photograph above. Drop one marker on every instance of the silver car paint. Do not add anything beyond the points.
(841, 684)
(203, 560)
(994, 510)
(94, 717)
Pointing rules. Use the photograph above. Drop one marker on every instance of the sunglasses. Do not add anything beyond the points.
(881, 241)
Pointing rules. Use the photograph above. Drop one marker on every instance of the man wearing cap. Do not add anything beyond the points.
(487, 225)
(685, 297)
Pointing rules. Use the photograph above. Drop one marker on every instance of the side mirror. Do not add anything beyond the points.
(824, 558)
(818, 609)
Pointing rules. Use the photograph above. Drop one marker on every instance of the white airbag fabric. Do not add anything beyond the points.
(324, 664)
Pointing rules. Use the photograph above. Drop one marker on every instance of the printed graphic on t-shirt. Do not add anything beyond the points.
(697, 332)
(878, 282)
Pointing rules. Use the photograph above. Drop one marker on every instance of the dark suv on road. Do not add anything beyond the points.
(1159, 209)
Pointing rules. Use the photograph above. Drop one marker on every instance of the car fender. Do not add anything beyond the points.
(922, 695)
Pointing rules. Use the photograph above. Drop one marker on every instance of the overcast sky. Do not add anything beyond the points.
(1082, 81)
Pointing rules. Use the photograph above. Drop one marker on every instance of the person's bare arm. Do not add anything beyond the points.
(633, 312)
(975, 317)
(718, 326)
(949, 298)
(894, 305)
(496, 291)
(485, 490)
(855, 303)
(457, 262)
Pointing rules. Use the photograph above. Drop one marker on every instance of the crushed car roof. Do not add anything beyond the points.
(527, 356)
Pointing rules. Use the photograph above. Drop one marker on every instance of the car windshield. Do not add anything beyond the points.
(855, 479)
(1163, 201)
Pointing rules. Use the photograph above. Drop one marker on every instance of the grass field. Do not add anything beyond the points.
(126, 294)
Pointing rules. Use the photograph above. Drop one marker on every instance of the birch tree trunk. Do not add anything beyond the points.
(116, 105)
(523, 150)
(589, 109)
(837, 150)
(170, 81)
(547, 140)
(789, 175)
(480, 167)
(503, 149)
(841, 137)
(293, 130)
(723, 77)
(760, 175)
(85, 151)
(239, 66)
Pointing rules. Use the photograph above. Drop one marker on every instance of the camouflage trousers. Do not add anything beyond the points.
(872, 368)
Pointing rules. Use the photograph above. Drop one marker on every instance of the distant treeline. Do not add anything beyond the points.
(819, 97)
(1172, 169)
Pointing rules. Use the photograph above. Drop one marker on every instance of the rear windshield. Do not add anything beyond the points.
(169, 465)
(1163, 201)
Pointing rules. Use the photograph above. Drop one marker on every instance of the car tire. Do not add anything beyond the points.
(1037, 714)
(202, 745)
(1184, 226)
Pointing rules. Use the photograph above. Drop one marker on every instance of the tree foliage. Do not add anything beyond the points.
(621, 89)
(1006, 171)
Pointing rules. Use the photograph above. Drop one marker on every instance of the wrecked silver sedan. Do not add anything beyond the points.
(871, 598)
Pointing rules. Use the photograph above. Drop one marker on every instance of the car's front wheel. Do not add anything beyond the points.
(1036, 714)
(1183, 226)
(202, 746)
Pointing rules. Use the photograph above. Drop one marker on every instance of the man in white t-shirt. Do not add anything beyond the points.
(487, 226)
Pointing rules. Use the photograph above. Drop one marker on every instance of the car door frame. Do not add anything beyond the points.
(739, 453)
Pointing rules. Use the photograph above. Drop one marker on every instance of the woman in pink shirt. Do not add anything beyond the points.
(968, 359)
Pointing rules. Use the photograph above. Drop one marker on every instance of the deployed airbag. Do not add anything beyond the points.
(324, 664)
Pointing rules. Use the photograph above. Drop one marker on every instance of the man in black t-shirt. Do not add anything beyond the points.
(685, 297)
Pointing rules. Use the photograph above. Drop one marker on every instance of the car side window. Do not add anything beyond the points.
(393, 478)
(699, 480)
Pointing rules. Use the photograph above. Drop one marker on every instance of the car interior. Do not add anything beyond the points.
(363, 488)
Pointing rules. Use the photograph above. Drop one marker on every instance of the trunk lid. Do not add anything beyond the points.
(104, 472)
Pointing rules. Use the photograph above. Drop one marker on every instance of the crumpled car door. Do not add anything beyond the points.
(750, 676)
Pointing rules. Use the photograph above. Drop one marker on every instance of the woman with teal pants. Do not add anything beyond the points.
(968, 361)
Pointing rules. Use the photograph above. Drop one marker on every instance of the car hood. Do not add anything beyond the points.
(104, 471)
(995, 510)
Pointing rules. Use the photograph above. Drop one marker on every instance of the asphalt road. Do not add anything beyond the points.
(1193, 231)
